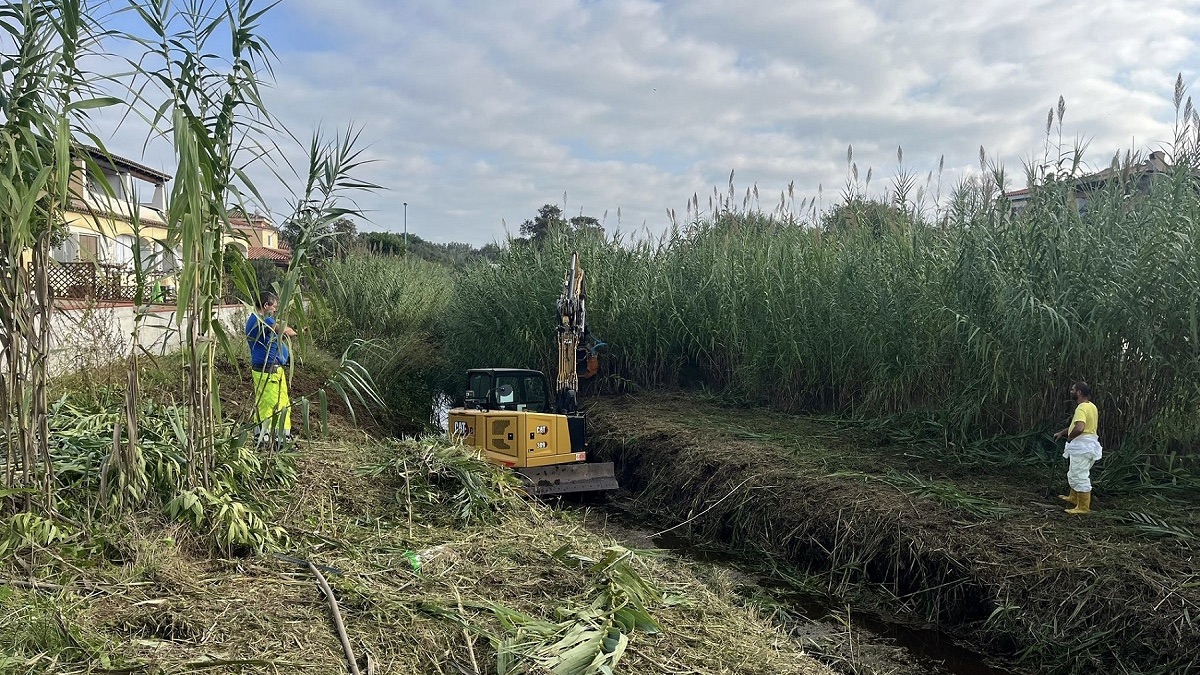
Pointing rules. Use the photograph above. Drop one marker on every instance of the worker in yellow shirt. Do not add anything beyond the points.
(1083, 449)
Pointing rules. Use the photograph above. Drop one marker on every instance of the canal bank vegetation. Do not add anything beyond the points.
(438, 561)
(853, 520)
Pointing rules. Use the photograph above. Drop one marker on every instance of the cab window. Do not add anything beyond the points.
(536, 399)
(516, 391)
(480, 385)
(510, 400)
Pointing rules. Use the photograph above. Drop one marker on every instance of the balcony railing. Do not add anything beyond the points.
(99, 281)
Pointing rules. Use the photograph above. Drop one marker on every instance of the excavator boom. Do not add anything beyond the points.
(572, 324)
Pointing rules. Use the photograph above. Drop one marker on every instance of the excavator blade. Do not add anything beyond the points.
(563, 478)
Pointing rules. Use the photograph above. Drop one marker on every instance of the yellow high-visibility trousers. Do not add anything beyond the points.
(273, 408)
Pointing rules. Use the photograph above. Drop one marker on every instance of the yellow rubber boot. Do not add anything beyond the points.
(1072, 499)
(1083, 504)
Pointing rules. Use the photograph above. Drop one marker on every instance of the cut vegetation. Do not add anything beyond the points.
(438, 564)
(982, 553)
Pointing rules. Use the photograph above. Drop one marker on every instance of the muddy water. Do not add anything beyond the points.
(925, 647)
(847, 639)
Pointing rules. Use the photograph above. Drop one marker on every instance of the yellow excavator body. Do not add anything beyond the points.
(507, 416)
(516, 439)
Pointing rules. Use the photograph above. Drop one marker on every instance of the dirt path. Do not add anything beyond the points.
(987, 555)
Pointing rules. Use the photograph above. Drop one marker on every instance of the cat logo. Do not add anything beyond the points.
(542, 429)
(542, 445)
(461, 430)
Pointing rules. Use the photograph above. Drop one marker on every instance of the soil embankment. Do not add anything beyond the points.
(986, 555)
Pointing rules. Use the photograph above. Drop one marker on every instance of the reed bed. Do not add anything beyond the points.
(969, 326)
(389, 308)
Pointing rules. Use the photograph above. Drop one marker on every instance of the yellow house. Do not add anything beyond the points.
(104, 227)
(108, 225)
(257, 238)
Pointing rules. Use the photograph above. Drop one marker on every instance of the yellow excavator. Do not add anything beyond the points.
(513, 418)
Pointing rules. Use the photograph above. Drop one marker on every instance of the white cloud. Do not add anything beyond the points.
(480, 112)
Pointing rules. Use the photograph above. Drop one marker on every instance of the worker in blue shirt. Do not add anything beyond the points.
(269, 356)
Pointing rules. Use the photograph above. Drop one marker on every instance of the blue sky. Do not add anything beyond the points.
(480, 112)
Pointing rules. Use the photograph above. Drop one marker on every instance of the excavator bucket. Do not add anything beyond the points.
(564, 478)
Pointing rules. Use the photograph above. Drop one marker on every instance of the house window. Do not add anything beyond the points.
(149, 252)
(95, 185)
(170, 261)
(89, 248)
(123, 250)
(67, 251)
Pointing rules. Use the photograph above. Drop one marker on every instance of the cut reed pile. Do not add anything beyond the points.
(438, 567)
(988, 557)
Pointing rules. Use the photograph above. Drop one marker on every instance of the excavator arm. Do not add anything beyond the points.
(572, 331)
(576, 345)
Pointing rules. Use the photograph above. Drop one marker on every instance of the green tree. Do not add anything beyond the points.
(549, 219)
(454, 254)
(345, 235)
(857, 214)
(331, 239)
(586, 224)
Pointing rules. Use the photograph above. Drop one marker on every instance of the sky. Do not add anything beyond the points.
(477, 112)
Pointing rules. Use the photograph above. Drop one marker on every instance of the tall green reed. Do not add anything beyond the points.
(973, 316)
(204, 92)
(201, 77)
(392, 306)
(44, 96)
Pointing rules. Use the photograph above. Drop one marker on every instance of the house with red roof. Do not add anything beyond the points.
(257, 237)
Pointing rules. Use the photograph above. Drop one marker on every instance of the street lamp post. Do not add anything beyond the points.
(405, 228)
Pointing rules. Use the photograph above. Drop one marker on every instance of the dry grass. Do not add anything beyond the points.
(150, 599)
(989, 557)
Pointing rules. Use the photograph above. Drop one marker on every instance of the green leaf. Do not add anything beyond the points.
(98, 102)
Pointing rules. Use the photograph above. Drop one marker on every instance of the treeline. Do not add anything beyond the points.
(453, 254)
(548, 223)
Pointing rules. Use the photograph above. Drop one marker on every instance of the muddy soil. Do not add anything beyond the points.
(987, 555)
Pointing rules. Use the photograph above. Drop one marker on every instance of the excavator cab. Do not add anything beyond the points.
(507, 389)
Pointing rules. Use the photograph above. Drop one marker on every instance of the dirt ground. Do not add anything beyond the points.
(982, 553)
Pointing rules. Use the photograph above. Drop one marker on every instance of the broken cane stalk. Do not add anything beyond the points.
(337, 619)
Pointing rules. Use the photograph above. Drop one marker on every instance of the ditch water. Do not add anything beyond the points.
(921, 650)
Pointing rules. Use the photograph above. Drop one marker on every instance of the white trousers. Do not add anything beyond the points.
(1083, 452)
(1079, 473)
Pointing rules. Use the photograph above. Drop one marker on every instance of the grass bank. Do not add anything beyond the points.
(979, 552)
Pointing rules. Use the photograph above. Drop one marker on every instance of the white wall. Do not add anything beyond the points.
(90, 337)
